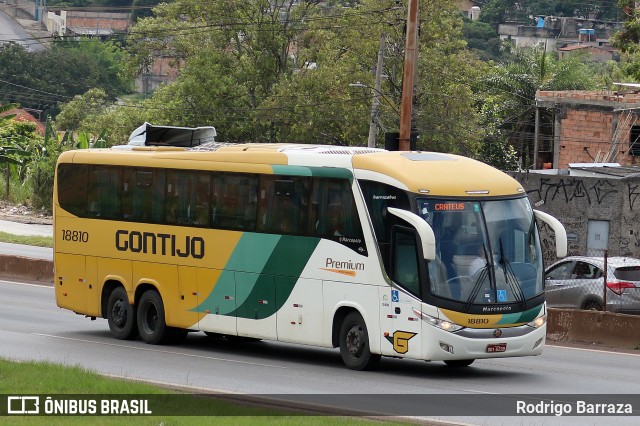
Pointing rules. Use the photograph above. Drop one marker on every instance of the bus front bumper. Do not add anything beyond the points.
(484, 343)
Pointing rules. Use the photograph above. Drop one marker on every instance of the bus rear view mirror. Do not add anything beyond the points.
(427, 236)
(557, 228)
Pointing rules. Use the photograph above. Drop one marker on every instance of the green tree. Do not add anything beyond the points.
(507, 92)
(237, 49)
(317, 104)
(15, 139)
(82, 108)
(482, 39)
(43, 80)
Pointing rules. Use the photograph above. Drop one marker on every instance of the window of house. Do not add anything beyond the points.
(634, 141)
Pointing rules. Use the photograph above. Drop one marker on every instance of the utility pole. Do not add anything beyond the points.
(408, 76)
(373, 126)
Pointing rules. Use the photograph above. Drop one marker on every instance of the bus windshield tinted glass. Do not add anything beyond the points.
(487, 252)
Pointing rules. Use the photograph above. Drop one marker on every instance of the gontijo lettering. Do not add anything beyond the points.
(163, 244)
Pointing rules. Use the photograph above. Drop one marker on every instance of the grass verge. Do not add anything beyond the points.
(42, 378)
(30, 240)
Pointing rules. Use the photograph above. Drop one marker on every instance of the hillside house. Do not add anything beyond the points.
(588, 127)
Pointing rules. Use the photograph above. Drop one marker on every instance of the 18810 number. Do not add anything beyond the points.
(75, 236)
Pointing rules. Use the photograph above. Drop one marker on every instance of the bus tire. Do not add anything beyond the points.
(458, 363)
(121, 315)
(354, 344)
(151, 324)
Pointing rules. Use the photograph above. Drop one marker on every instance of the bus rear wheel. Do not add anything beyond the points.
(354, 344)
(151, 324)
(121, 315)
(458, 363)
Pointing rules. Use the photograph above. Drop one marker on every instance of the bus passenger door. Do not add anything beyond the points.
(406, 306)
(71, 282)
(256, 301)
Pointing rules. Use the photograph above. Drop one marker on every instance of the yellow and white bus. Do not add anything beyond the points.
(416, 255)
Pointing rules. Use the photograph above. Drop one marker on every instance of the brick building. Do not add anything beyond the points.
(587, 127)
(82, 23)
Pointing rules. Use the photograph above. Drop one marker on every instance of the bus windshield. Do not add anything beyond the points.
(487, 252)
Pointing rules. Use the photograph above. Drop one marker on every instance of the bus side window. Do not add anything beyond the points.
(235, 201)
(72, 188)
(337, 213)
(126, 193)
(181, 198)
(405, 260)
(202, 199)
(102, 199)
(148, 196)
(171, 198)
(283, 204)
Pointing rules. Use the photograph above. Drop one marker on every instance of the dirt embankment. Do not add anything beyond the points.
(24, 214)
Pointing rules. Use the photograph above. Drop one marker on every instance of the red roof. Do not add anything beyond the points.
(22, 115)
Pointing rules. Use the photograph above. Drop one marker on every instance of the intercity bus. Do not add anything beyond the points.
(419, 255)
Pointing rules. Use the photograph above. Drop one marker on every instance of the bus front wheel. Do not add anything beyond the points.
(151, 324)
(354, 344)
(121, 315)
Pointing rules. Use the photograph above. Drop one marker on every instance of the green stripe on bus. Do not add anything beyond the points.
(327, 172)
(260, 275)
(250, 255)
(521, 317)
(288, 260)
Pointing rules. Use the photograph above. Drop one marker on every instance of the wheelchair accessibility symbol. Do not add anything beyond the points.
(394, 296)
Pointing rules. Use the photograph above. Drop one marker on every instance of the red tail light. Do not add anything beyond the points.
(618, 286)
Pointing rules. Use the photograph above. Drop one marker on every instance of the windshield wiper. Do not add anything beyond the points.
(479, 281)
(510, 276)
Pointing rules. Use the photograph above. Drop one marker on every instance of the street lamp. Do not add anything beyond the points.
(377, 94)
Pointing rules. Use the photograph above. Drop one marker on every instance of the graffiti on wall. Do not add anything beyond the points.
(634, 192)
(630, 239)
(571, 189)
(576, 200)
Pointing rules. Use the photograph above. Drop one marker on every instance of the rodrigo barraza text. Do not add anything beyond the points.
(580, 407)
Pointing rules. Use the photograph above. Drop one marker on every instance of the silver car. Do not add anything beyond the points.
(578, 282)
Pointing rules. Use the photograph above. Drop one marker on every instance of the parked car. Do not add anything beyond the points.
(578, 282)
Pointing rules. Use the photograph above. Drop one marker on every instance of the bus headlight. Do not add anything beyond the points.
(538, 322)
(436, 322)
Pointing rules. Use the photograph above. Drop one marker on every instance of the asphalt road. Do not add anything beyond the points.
(12, 31)
(33, 328)
(26, 251)
(17, 228)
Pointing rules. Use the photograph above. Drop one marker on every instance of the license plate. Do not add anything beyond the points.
(500, 347)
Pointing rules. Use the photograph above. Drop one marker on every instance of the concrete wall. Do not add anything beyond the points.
(593, 328)
(98, 20)
(576, 200)
(23, 268)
